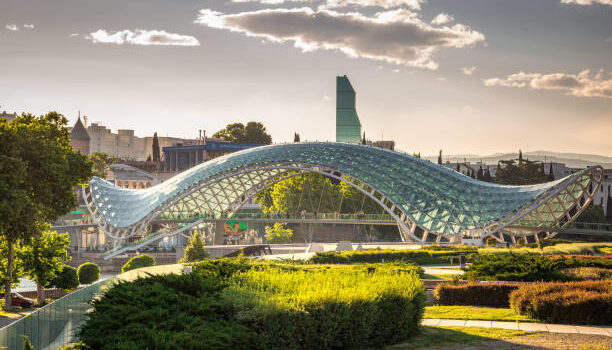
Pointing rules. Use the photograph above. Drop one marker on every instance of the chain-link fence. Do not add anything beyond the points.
(55, 324)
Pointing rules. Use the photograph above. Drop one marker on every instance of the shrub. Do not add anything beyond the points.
(142, 260)
(195, 250)
(587, 273)
(278, 233)
(88, 273)
(416, 256)
(165, 312)
(586, 302)
(490, 294)
(66, 278)
(327, 308)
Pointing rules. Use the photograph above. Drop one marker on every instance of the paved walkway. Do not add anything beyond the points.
(523, 326)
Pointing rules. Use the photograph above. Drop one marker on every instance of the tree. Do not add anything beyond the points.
(480, 174)
(42, 259)
(296, 137)
(66, 278)
(363, 139)
(142, 260)
(88, 273)
(416, 155)
(525, 173)
(520, 158)
(278, 233)
(458, 168)
(487, 175)
(440, 158)
(100, 161)
(253, 132)
(38, 150)
(195, 250)
(155, 150)
(592, 214)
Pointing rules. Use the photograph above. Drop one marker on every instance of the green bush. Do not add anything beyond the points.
(336, 308)
(142, 260)
(195, 250)
(526, 267)
(416, 256)
(586, 302)
(165, 312)
(587, 273)
(247, 304)
(490, 294)
(66, 278)
(88, 273)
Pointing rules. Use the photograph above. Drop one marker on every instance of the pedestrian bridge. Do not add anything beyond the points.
(427, 201)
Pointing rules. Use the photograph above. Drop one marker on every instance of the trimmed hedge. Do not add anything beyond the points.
(88, 273)
(586, 302)
(246, 304)
(142, 260)
(416, 256)
(490, 294)
(66, 278)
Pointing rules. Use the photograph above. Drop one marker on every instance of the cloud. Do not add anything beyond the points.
(468, 70)
(396, 36)
(442, 18)
(142, 37)
(28, 26)
(580, 85)
(73, 35)
(387, 4)
(12, 27)
(587, 2)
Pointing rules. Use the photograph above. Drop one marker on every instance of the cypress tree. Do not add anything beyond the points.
(296, 137)
(520, 159)
(440, 158)
(551, 174)
(480, 174)
(487, 175)
(363, 140)
(155, 148)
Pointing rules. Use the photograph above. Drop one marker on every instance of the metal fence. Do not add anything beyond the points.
(54, 325)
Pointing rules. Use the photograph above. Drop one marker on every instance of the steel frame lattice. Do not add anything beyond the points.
(428, 201)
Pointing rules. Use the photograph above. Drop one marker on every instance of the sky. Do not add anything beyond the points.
(467, 77)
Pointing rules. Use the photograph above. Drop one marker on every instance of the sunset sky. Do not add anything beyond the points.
(469, 76)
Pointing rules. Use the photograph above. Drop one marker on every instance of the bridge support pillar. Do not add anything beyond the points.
(219, 232)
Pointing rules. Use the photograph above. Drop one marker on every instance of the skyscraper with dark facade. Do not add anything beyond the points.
(348, 127)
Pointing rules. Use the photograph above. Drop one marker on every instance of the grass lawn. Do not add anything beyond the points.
(473, 313)
(437, 336)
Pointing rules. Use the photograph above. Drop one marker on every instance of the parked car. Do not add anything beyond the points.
(22, 301)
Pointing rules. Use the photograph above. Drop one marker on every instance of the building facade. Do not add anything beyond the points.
(8, 116)
(79, 138)
(348, 127)
(182, 157)
(602, 197)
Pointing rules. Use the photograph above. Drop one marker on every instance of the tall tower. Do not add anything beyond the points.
(348, 127)
(79, 138)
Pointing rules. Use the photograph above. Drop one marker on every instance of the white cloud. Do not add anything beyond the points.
(468, 70)
(580, 85)
(411, 4)
(73, 35)
(587, 2)
(142, 37)
(12, 27)
(396, 36)
(28, 26)
(442, 18)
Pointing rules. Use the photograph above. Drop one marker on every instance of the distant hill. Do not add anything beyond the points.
(572, 160)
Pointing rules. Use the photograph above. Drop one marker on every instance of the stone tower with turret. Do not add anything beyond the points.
(79, 138)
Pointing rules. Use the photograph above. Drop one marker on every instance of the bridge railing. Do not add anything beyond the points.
(277, 216)
(53, 325)
(591, 226)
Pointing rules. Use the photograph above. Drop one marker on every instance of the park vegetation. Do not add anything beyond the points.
(252, 132)
(425, 256)
(247, 304)
(195, 250)
(88, 273)
(38, 172)
(142, 260)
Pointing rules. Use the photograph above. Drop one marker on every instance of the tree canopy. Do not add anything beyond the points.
(195, 250)
(525, 172)
(252, 132)
(38, 172)
(278, 233)
(100, 161)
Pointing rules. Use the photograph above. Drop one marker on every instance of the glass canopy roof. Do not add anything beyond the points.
(432, 196)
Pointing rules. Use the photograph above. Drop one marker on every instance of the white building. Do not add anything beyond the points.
(601, 197)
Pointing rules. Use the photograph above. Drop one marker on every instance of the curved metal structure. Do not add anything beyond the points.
(427, 200)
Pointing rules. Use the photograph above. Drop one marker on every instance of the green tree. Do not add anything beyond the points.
(296, 137)
(142, 260)
(88, 273)
(551, 174)
(525, 172)
(155, 150)
(520, 157)
(592, 214)
(278, 233)
(100, 161)
(480, 174)
(195, 250)
(42, 259)
(66, 278)
(252, 132)
(38, 150)
(440, 158)
(363, 139)
(487, 175)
